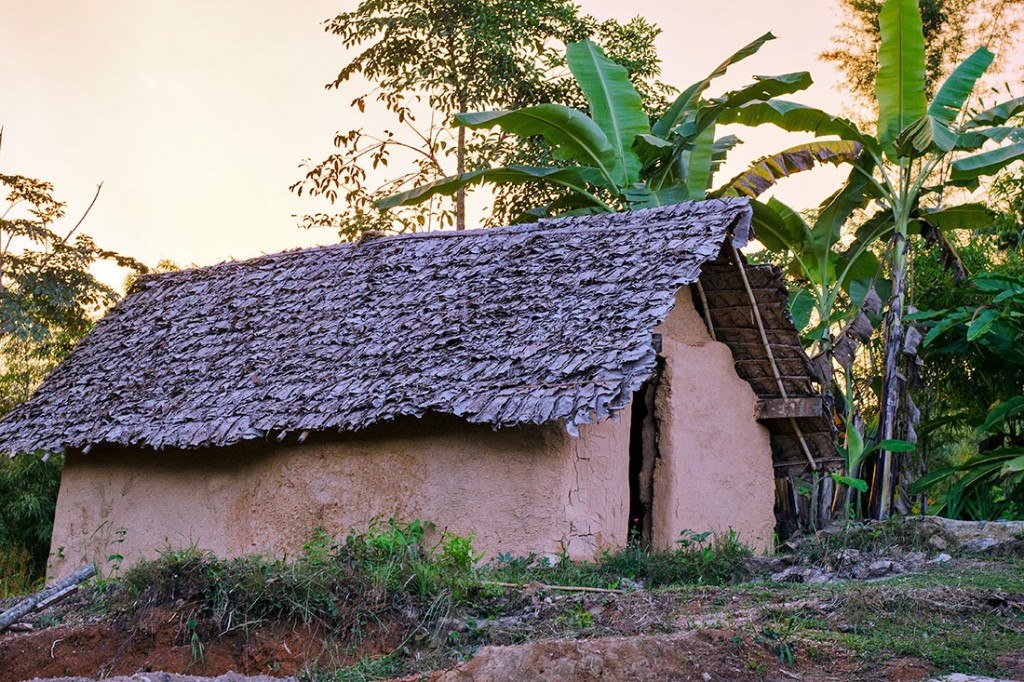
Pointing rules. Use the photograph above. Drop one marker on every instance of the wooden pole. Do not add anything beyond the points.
(771, 357)
(43, 598)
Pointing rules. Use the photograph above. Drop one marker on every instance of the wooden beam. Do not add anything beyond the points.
(788, 408)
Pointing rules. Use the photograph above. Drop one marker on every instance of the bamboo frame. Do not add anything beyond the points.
(771, 356)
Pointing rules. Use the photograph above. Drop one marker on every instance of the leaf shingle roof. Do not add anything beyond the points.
(524, 324)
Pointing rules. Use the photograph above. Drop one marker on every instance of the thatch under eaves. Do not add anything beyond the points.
(545, 322)
(798, 443)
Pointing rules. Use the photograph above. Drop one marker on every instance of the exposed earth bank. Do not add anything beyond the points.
(947, 597)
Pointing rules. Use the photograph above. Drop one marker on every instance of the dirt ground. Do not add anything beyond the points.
(701, 640)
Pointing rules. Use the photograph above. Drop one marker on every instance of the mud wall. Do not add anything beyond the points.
(520, 490)
(714, 472)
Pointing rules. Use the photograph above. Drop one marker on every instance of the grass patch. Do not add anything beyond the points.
(875, 537)
(384, 585)
(958, 630)
(17, 573)
(698, 559)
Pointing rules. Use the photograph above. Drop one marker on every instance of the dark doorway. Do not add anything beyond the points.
(643, 456)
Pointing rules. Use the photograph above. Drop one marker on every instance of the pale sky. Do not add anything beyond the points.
(194, 114)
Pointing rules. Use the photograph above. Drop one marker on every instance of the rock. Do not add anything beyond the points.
(877, 569)
(803, 574)
(940, 559)
(632, 585)
(990, 537)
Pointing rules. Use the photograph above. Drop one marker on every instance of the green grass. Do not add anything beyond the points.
(698, 559)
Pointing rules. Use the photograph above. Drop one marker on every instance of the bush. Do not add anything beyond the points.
(28, 500)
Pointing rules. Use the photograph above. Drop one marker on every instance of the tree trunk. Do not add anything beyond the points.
(460, 195)
(893, 384)
(60, 588)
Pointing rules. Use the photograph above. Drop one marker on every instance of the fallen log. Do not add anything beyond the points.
(58, 590)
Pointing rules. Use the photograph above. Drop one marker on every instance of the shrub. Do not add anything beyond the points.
(28, 499)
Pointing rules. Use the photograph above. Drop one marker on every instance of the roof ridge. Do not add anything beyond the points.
(560, 224)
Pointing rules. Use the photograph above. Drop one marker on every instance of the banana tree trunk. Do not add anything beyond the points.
(893, 384)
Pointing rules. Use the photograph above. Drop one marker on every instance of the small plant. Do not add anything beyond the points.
(778, 635)
(115, 558)
(196, 643)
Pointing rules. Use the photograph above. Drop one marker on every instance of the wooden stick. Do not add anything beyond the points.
(707, 311)
(542, 586)
(40, 599)
(771, 356)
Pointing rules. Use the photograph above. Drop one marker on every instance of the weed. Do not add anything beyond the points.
(196, 643)
(698, 559)
(367, 669)
(778, 638)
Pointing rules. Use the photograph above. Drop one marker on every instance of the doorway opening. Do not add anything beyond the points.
(643, 457)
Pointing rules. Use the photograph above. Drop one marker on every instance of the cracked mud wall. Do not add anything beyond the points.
(714, 471)
(519, 490)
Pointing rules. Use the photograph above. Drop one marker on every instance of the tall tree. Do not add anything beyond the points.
(425, 61)
(49, 297)
(951, 28)
(616, 159)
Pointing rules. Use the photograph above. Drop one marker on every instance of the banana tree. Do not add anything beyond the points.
(616, 159)
(896, 175)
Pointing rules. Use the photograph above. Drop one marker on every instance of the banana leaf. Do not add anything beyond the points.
(959, 85)
(688, 99)
(768, 170)
(572, 134)
(793, 117)
(899, 86)
(997, 115)
(615, 105)
(986, 163)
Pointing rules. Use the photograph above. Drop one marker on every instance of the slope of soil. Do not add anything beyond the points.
(832, 613)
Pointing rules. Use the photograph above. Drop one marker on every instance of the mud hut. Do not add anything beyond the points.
(548, 388)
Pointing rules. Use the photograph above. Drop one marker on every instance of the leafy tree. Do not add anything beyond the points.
(951, 28)
(987, 335)
(49, 299)
(615, 159)
(432, 59)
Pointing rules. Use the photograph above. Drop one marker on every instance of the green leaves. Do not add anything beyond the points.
(614, 104)
(985, 163)
(572, 135)
(934, 130)
(793, 117)
(997, 115)
(900, 85)
(959, 85)
(687, 101)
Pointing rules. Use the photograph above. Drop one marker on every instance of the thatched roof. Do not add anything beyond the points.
(526, 324)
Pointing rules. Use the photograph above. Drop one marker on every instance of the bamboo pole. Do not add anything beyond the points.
(771, 357)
